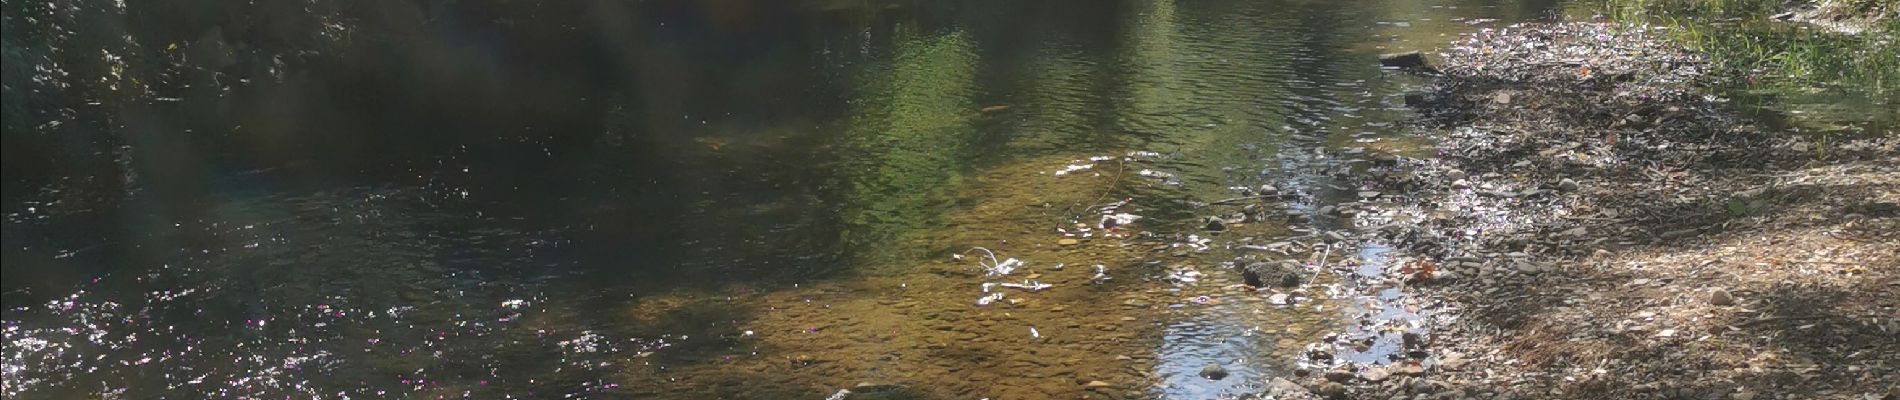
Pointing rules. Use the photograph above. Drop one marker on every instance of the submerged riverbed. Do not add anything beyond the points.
(679, 200)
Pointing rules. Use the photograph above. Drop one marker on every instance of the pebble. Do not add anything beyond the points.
(1339, 375)
(1721, 298)
(1068, 242)
(1332, 390)
(1568, 185)
(1096, 384)
(1375, 374)
(1280, 388)
(1408, 369)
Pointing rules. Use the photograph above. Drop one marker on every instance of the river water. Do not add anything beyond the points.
(688, 199)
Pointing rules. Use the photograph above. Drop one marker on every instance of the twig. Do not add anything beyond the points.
(1120, 165)
(1225, 201)
(992, 255)
(1322, 262)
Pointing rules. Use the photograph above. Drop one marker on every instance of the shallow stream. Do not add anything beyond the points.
(770, 200)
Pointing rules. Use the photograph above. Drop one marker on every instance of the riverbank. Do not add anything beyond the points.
(1597, 225)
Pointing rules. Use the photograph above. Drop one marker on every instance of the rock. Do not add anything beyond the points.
(1375, 374)
(1259, 274)
(1339, 375)
(1568, 185)
(1280, 388)
(1097, 384)
(1405, 60)
(1407, 369)
(1250, 277)
(1214, 372)
(1744, 394)
(1068, 242)
(1215, 224)
(1331, 390)
(1451, 360)
(1720, 297)
(1455, 174)
(1279, 299)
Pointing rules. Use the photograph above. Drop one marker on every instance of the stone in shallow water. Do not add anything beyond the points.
(1409, 59)
(1214, 372)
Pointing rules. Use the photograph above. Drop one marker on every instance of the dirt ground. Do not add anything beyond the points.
(1597, 226)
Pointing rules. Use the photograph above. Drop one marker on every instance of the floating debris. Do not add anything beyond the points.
(994, 267)
(1029, 285)
(1118, 219)
(989, 299)
(1101, 274)
(514, 304)
(1155, 174)
(840, 395)
(1183, 275)
(1074, 168)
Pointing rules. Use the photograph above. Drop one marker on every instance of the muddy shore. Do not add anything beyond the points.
(1598, 224)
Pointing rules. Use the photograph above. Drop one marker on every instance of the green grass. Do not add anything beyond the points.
(1741, 40)
(1820, 80)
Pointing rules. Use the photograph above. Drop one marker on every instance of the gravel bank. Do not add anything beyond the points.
(1596, 226)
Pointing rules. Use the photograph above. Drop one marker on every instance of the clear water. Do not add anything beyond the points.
(680, 199)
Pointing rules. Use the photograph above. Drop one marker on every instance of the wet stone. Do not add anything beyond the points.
(1403, 60)
(1214, 372)
(1215, 224)
(1068, 242)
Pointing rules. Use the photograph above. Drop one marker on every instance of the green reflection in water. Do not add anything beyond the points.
(905, 146)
